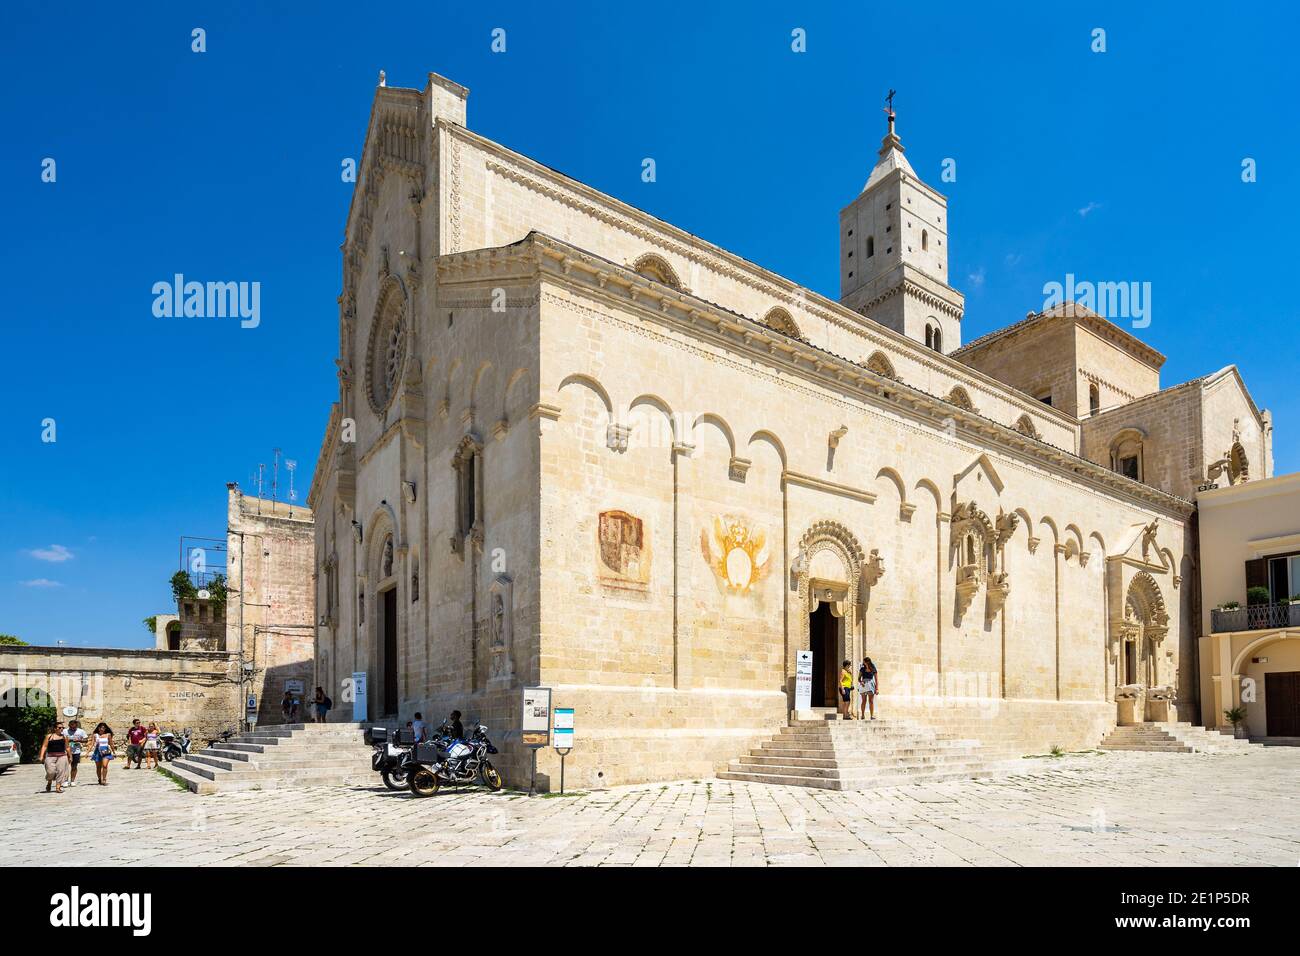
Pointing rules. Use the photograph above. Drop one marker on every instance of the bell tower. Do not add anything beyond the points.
(894, 251)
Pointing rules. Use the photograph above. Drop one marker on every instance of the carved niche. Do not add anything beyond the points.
(500, 627)
(979, 546)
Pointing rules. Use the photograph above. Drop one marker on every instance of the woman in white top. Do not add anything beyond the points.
(101, 743)
(151, 746)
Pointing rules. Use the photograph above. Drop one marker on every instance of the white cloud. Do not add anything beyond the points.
(1089, 208)
(1013, 258)
(55, 553)
(41, 583)
(976, 278)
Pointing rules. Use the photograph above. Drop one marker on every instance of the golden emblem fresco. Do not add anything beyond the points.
(736, 552)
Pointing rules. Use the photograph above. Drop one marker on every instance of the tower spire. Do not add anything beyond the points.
(891, 140)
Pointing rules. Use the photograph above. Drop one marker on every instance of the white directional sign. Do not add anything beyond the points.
(803, 672)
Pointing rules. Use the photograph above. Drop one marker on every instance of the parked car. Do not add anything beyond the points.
(10, 752)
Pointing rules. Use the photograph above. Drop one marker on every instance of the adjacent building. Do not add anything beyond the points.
(1250, 619)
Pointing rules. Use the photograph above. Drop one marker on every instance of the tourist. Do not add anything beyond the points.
(286, 706)
(846, 690)
(321, 705)
(54, 754)
(454, 727)
(76, 738)
(102, 750)
(151, 746)
(134, 743)
(420, 727)
(867, 687)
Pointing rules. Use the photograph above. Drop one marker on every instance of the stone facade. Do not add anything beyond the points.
(270, 625)
(576, 446)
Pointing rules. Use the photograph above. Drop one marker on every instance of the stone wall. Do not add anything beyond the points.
(175, 689)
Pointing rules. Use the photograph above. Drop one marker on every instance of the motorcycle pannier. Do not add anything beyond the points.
(405, 737)
(376, 735)
(426, 753)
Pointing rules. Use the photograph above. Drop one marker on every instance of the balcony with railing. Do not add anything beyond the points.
(1255, 617)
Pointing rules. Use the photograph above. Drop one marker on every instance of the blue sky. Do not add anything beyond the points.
(225, 165)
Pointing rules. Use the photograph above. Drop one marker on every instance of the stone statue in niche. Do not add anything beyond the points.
(498, 621)
(387, 563)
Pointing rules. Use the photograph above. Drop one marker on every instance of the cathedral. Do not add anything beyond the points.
(578, 447)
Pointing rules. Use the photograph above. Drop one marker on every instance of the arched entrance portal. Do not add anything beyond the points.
(830, 571)
(1142, 693)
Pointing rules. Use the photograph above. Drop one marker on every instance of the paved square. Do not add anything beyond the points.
(1111, 809)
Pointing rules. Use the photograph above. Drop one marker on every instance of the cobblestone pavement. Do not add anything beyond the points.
(1113, 809)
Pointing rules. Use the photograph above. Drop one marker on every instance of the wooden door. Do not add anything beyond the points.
(1282, 704)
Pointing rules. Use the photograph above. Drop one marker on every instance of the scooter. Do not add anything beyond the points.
(173, 746)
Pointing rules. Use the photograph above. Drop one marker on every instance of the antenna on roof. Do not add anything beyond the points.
(292, 466)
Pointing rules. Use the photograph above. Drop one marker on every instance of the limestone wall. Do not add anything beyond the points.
(716, 438)
(176, 689)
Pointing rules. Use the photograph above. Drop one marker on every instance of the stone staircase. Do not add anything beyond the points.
(1173, 738)
(286, 755)
(824, 751)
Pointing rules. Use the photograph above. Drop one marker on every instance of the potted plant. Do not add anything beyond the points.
(1229, 606)
(1258, 595)
(1236, 716)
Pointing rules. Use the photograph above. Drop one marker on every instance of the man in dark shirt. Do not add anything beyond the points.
(135, 743)
(454, 726)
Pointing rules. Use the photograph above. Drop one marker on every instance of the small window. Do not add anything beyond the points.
(925, 240)
(938, 339)
(1128, 467)
(450, 319)
(1094, 399)
(1045, 397)
(871, 246)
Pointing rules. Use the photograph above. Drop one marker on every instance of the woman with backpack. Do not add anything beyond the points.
(321, 705)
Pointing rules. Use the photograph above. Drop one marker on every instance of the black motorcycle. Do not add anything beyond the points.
(391, 759)
(445, 760)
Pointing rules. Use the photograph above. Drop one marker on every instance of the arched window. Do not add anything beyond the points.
(1026, 427)
(1238, 464)
(929, 336)
(1126, 454)
(925, 240)
(871, 246)
(938, 339)
(1094, 399)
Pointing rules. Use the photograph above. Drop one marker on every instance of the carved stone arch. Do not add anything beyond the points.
(879, 363)
(647, 439)
(656, 268)
(476, 385)
(388, 344)
(1129, 443)
(508, 405)
(592, 385)
(720, 423)
(961, 398)
(830, 538)
(1146, 602)
(779, 320)
(933, 489)
(770, 438)
(1025, 425)
(1238, 464)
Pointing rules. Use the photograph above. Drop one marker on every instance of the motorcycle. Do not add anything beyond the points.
(172, 746)
(451, 761)
(392, 762)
